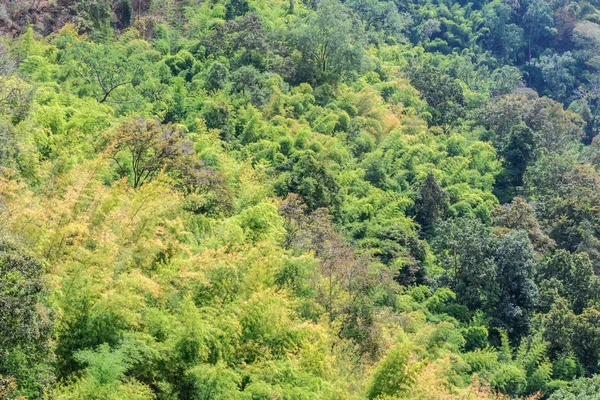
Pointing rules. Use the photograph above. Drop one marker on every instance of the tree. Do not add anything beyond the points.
(341, 268)
(431, 204)
(586, 339)
(382, 16)
(15, 98)
(15, 95)
(105, 68)
(465, 248)
(444, 94)
(26, 323)
(517, 291)
(538, 23)
(588, 106)
(518, 152)
(575, 272)
(105, 375)
(345, 278)
(519, 214)
(567, 199)
(241, 41)
(331, 43)
(94, 16)
(312, 179)
(216, 76)
(556, 70)
(236, 8)
(183, 64)
(504, 37)
(140, 6)
(505, 80)
(559, 327)
(580, 389)
(123, 12)
(143, 148)
(249, 81)
(7, 61)
(555, 128)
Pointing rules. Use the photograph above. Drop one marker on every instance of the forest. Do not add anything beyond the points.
(299, 199)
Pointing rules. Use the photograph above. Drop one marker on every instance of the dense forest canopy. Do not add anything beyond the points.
(299, 199)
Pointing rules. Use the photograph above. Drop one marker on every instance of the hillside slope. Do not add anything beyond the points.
(299, 200)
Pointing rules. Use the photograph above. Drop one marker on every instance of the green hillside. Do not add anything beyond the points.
(251, 199)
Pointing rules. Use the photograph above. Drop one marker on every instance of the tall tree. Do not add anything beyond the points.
(504, 38)
(465, 248)
(331, 43)
(539, 24)
(556, 70)
(431, 204)
(586, 339)
(517, 291)
(518, 151)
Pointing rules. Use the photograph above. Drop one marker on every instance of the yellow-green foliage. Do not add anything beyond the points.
(284, 257)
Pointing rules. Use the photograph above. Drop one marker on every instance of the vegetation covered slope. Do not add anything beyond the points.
(299, 200)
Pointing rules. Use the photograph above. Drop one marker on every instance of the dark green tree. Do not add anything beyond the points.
(556, 70)
(567, 199)
(559, 327)
(519, 214)
(517, 291)
(444, 94)
(235, 8)
(247, 80)
(431, 204)
(574, 271)
(313, 181)
(504, 38)
(586, 339)
(465, 248)
(538, 23)
(216, 76)
(518, 152)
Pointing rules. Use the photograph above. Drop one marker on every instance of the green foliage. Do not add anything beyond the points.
(466, 249)
(102, 69)
(104, 377)
(510, 379)
(242, 199)
(582, 388)
(395, 374)
(331, 44)
(518, 292)
(431, 204)
(144, 148)
(443, 94)
(210, 382)
(26, 323)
